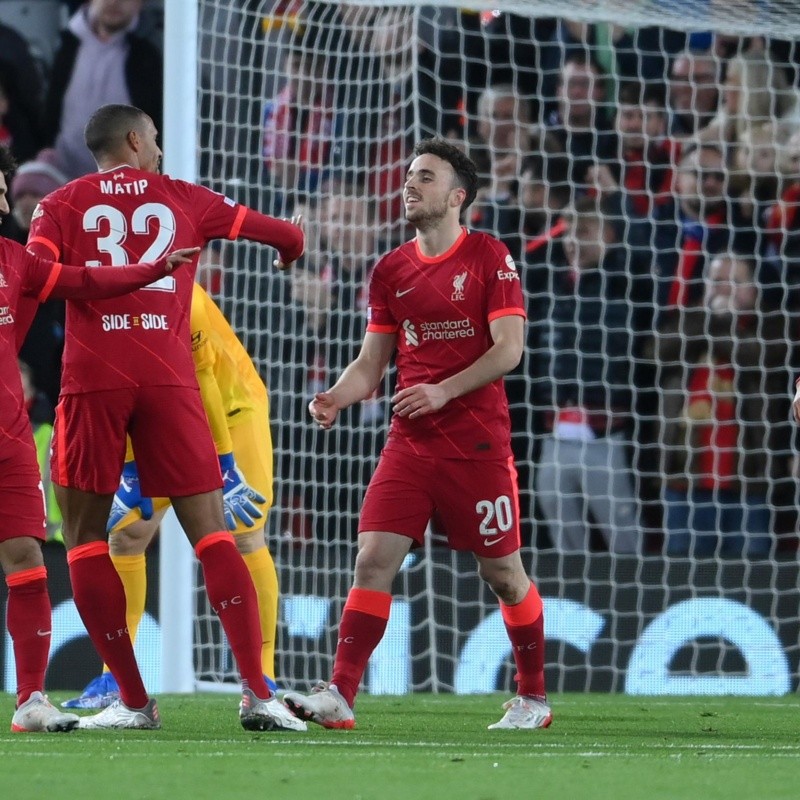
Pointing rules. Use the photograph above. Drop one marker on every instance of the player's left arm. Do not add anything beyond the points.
(221, 218)
(508, 337)
(287, 237)
(45, 279)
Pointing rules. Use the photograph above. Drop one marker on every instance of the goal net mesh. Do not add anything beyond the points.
(641, 161)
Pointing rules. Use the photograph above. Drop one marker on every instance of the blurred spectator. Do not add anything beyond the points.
(624, 53)
(700, 221)
(20, 96)
(693, 91)
(580, 123)
(299, 122)
(41, 414)
(544, 191)
(100, 60)
(44, 340)
(647, 157)
(724, 411)
(757, 91)
(592, 338)
(503, 141)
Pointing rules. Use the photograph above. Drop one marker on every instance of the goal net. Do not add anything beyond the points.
(641, 160)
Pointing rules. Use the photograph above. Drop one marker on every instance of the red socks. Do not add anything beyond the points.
(233, 598)
(361, 628)
(525, 626)
(100, 600)
(28, 624)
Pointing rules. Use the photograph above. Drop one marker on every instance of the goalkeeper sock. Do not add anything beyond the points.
(132, 571)
(233, 599)
(29, 626)
(363, 623)
(265, 579)
(525, 625)
(100, 600)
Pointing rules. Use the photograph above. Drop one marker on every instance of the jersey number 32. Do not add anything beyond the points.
(113, 228)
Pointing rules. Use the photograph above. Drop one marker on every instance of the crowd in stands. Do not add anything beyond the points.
(646, 182)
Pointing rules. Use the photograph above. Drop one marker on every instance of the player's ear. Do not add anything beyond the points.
(133, 140)
(457, 196)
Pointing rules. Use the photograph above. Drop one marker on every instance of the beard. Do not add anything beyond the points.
(424, 219)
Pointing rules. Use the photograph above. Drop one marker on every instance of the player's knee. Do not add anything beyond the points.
(373, 570)
(247, 543)
(19, 553)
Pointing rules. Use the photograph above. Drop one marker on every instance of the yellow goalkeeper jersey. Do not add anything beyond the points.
(229, 384)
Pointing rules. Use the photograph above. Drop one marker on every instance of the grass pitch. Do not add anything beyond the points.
(424, 747)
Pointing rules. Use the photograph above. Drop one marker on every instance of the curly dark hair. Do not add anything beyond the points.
(7, 162)
(462, 164)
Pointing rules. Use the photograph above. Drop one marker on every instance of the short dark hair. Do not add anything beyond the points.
(108, 127)
(7, 162)
(462, 164)
(634, 93)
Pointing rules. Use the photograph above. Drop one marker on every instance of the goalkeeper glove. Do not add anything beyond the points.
(128, 497)
(238, 498)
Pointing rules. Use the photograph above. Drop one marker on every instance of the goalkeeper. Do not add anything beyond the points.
(237, 406)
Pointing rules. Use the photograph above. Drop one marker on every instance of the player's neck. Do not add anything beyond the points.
(110, 164)
(438, 240)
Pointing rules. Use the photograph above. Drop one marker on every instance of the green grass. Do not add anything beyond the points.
(425, 747)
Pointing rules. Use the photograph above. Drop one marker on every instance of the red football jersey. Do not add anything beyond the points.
(25, 280)
(122, 216)
(440, 308)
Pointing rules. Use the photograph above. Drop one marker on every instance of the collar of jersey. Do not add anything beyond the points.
(436, 259)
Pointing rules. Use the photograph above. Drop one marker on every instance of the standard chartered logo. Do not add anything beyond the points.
(447, 329)
(441, 330)
(412, 340)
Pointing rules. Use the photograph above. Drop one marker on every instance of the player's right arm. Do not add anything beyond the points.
(358, 381)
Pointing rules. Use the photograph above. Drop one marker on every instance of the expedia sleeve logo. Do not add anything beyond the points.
(509, 274)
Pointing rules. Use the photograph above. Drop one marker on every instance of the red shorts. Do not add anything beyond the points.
(175, 452)
(477, 502)
(21, 497)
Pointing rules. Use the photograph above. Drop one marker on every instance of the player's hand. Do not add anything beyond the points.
(183, 256)
(417, 401)
(323, 409)
(128, 497)
(238, 498)
(280, 262)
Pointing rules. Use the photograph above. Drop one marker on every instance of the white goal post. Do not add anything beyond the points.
(651, 623)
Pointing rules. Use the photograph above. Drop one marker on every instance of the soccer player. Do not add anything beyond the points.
(128, 370)
(237, 406)
(450, 303)
(26, 279)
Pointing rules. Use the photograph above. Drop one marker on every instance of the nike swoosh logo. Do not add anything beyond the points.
(399, 293)
(43, 633)
(490, 542)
